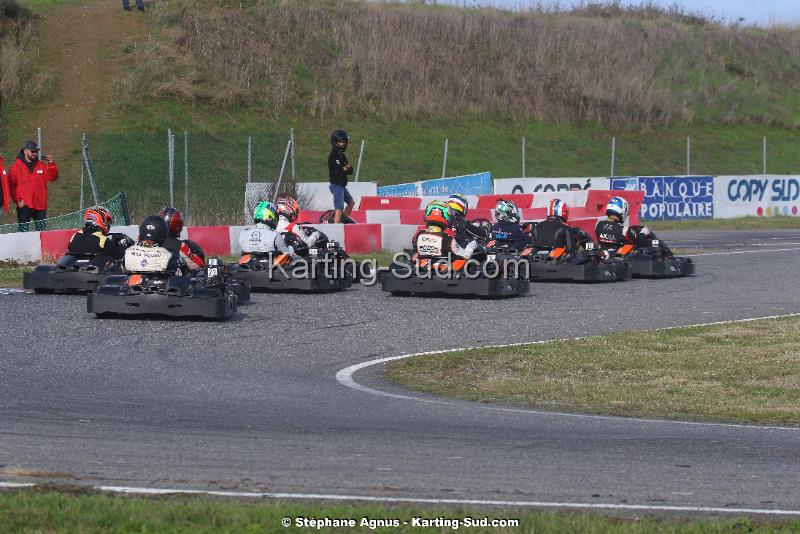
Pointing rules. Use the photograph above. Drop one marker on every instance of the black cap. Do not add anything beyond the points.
(30, 145)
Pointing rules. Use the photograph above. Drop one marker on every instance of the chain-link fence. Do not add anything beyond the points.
(117, 205)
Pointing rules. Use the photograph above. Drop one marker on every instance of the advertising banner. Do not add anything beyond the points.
(757, 196)
(505, 186)
(468, 184)
(671, 197)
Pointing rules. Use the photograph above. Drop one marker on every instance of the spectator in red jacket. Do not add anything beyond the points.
(4, 193)
(28, 185)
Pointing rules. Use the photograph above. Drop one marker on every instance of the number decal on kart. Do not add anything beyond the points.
(313, 251)
(212, 272)
(213, 262)
(331, 244)
(590, 246)
(491, 257)
(656, 242)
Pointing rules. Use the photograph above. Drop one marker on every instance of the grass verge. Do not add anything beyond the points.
(741, 372)
(75, 510)
(11, 273)
(740, 223)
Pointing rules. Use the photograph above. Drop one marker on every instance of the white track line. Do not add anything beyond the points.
(345, 378)
(762, 251)
(16, 485)
(415, 500)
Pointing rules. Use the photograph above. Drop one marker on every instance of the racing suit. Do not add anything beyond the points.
(612, 234)
(552, 233)
(436, 244)
(310, 238)
(103, 249)
(141, 259)
(261, 239)
(187, 252)
(511, 234)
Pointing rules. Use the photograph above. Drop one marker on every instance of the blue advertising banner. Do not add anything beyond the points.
(672, 197)
(469, 184)
(400, 190)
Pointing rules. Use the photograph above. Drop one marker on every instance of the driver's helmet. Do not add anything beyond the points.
(106, 216)
(288, 208)
(174, 220)
(558, 208)
(266, 213)
(618, 206)
(152, 231)
(94, 217)
(458, 205)
(506, 211)
(438, 215)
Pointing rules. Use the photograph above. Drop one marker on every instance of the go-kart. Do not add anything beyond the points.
(239, 287)
(158, 293)
(654, 261)
(70, 274)
(323, 267)
(588, 264)
(486, 274)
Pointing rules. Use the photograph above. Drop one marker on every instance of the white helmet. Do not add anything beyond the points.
(618, 206)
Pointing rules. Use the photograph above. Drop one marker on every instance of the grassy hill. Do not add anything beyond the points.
(406, 76)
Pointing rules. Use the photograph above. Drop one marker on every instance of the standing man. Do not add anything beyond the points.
(28, 185)
(4, 192)
(338, 169)
(127, 6)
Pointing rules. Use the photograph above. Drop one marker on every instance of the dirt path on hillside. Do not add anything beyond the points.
(82, 43)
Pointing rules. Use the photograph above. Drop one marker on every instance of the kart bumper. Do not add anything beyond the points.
(110, 302)
(264, 280)
(668, 268)
(481, 287)
(588, 272)
(62, 281)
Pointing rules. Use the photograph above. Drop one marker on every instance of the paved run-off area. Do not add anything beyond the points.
(253, 404)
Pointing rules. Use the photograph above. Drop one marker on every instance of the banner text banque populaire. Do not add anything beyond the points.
(470, 184)
(672, 197)
(756, 196)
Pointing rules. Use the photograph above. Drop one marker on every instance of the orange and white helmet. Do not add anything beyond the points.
(99, 217)
(288, 207)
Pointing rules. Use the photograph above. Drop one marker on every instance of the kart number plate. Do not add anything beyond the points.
(656, 243)
(331, 244)
(590, 246)
(213, 262)
(491, 257)
(212, 272)
(313, 251)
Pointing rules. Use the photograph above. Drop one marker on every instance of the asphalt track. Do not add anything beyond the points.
(253, 404)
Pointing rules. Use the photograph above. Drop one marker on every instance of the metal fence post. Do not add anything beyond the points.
(283, 167)
(249, 159)
(523, 157)
(90, 173)
(291, 140)
(186, 174)
(39, 138)
(360, 155)
(83, 169)
(613, 154)
(688, 156)
(171, 160)
(765, 155)
(444, 162)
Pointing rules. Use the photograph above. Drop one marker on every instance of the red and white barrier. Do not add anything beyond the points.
(385, 223)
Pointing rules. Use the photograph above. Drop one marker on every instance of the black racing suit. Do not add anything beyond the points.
(553, 233)
(612, 234)
(91, 241)
(338, 168)
(510, 234)
(462, 227)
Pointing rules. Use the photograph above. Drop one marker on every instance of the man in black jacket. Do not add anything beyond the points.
(338, 169)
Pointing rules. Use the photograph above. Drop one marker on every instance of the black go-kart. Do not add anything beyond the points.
(588, 264)
(654, 261)
(70, 274)
(322, 268)
(240, 287)
(164, 294)
(486, 274)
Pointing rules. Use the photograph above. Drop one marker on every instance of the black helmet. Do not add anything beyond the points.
(153, 229)
(174, 220)
(338, 136)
